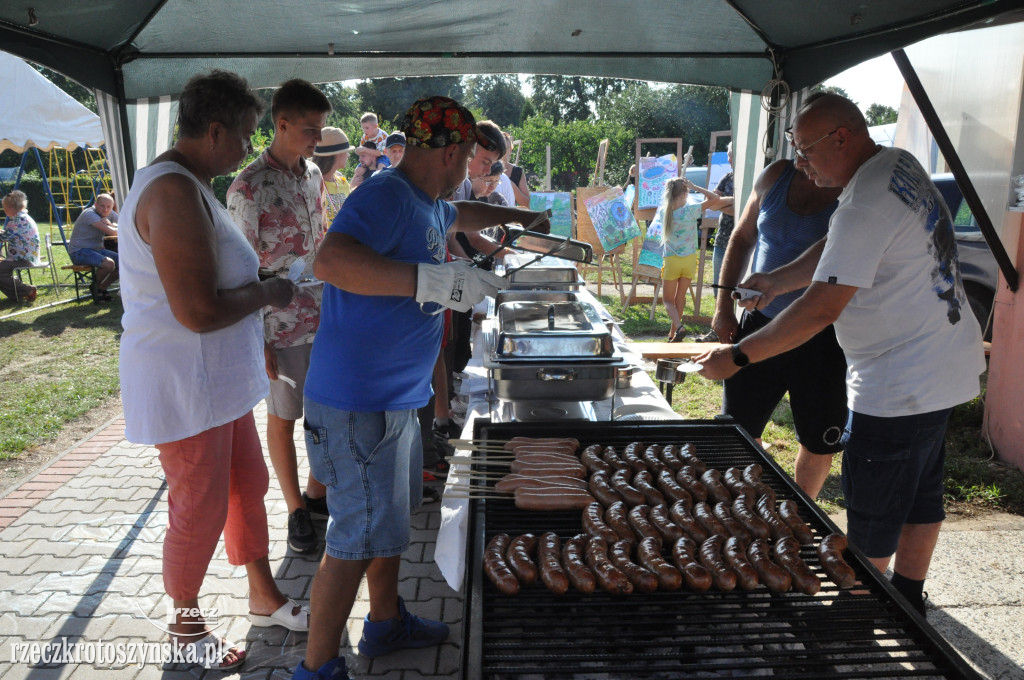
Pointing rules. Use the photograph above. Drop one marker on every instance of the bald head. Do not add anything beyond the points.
(832, 110)
(831, 140)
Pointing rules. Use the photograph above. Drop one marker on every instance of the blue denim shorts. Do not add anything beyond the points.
(371, 464)
(92, 258)
(892, 475)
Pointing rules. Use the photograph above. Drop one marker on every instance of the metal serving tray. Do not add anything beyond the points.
(534, 296)
(532, 330)
(545, 278)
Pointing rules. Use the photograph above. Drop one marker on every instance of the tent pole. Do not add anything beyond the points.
(931, 117)
(128, 148)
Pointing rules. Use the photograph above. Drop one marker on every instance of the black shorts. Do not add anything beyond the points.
(814, 374)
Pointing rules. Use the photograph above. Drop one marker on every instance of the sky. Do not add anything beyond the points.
(876, 81)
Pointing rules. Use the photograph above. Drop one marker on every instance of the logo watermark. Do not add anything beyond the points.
(102, 654)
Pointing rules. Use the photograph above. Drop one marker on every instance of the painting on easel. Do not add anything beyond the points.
(560, 205)
(651, 250)
(653, 174)
(613, 220)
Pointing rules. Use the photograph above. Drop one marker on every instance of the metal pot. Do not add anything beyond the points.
(666, 371)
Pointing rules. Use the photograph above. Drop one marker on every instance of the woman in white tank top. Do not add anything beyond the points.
(192, 361)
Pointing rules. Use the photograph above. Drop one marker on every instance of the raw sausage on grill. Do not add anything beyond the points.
(644, 483)
(711, 557)
(717, 493)
(787, 555)
(496, 567)
(549, 560)
(681, 514)
(735, 555)
(790, 514)
(565, 442)
(509, 483)
(772, 575)
(695, 575)
(553, 499)
(520, 558)
(574, 561)
(830, 554)
(594, 524)
(609, 577)
(663, 524)
(649, 554)
(573, 469)
(642, 579)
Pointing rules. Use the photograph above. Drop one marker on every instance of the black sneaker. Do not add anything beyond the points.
(710, 336)
(316, 506)
(301, 537)
(441, 434)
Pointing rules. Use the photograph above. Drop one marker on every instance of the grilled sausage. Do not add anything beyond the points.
(531, 458)
(611, 456)
(652, 460)
(787, 556)
(724, 515)
(574, 469)
(549, 560)
(710, 556)
(743, 510)
(668, 486)
(559, 498)
(643, 580)
(767, 512)
(644, 483)
(684, 556)
(594, 524)
(574, 560)
(830, 554)
(772, 575)
(763, 490)
(591, 459)
(496, 566)
(790, 514)
(609, 577)
(662, 523)
(615, 517)
(601, 489)
(509, 483)
(688, 454)
(630, 494)
(733, 480)
(686, 478)
(735, 555)
(520, 558)
(752, 474)
(649, 554)
(717, 493)
(669, 457)
(681, 514)
(706, 518)
(630, 455)
(562, 442)
(642, 527)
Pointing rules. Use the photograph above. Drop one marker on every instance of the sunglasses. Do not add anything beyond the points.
(802, 153)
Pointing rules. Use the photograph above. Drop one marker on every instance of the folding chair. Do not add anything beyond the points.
(27, 267)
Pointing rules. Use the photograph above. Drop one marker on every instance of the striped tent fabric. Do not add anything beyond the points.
(150, 130)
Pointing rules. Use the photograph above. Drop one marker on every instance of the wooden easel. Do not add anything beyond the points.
(585, 227)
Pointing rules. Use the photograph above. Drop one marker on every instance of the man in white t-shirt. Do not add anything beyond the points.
(888, 276)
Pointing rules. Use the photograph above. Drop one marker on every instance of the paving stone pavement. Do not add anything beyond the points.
(80, 550)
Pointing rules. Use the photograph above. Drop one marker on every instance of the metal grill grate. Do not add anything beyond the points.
(681, 634)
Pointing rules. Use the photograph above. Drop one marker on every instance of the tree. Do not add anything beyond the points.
(559, 98)
(80, 93)
(831, 89)
(499, 98)
(880, 114)
(390, 98)
(344, 101)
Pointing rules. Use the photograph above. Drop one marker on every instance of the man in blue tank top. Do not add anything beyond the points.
(383, 263)
(786, 214)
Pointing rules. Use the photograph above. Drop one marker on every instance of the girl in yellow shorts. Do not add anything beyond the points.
(679, 239)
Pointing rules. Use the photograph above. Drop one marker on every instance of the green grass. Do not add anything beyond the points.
(56, 363)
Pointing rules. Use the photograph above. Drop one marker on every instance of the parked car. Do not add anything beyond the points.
(978, 266)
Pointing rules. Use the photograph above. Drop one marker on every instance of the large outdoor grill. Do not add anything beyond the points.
(681, 634)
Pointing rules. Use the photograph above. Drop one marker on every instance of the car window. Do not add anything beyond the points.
(964, 218)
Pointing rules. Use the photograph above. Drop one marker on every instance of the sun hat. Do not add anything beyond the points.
(394, 139)
(436, 122)
(333, 141)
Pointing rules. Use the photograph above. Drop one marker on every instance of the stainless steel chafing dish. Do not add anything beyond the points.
(545, 278)
(551, 349)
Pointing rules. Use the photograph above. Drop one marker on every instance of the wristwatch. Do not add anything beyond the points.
(738, 357)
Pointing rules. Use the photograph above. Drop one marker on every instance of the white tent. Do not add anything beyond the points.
(35, 112)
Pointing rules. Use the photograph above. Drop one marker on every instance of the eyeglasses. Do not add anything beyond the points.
(491, 182)
(802, 153)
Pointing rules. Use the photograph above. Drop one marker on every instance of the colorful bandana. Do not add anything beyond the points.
(436, 122)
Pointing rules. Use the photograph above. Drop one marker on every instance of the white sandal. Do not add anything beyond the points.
(284, 616)
(210, 650)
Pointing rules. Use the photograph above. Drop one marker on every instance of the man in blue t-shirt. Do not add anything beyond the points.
(383, 261)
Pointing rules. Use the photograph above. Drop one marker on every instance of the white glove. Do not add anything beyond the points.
(457, 284)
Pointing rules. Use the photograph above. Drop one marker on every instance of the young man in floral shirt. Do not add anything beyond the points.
(279, 202)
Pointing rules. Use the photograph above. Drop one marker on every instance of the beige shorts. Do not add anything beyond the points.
(285, 401)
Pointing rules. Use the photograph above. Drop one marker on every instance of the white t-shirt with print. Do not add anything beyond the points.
(912, 343)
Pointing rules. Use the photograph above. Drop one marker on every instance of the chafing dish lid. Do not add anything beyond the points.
(535, 329)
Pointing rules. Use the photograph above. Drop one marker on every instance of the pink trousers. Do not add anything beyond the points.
(216, 481)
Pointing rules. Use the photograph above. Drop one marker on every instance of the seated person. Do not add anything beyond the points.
(22, 238)
(86, 246)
